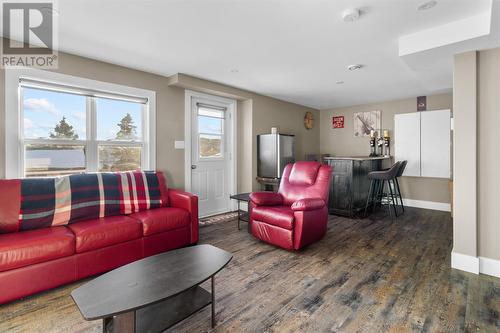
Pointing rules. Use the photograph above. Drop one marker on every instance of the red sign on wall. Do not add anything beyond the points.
(338, 122)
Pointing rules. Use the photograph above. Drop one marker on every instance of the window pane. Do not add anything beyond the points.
(113, 158)
(118, 120)
(52, 160)
(210, 146)
(53, 115)
(202, 111)
(209, 125)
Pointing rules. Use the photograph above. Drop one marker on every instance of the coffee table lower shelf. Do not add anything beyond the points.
(162, 315)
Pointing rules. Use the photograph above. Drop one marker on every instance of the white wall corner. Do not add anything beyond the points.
(442, 206)
(489, 266)
(465, 262)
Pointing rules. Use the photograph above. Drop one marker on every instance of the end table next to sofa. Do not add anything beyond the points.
(242, 215)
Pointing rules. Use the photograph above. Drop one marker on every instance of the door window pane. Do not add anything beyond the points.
(114, 158)
(118, 120)
(210, 146)
(44, 160)
(53, 115)
(209, 125)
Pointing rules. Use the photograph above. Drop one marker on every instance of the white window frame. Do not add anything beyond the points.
(223, 135)
(14, 140)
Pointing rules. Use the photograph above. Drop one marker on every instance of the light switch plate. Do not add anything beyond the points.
(179, 144)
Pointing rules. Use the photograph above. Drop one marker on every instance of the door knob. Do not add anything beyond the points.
(193, 166)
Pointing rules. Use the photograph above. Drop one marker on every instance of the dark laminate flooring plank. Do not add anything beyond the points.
(366, 275)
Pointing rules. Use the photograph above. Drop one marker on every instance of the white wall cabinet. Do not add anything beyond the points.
(435, 143)
(423, 139)
(407, 141)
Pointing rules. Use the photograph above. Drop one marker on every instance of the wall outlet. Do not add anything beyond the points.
(179, 144)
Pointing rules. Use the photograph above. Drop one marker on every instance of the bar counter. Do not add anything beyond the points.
(350, 185)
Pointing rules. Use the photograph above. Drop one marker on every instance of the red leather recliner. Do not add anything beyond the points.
(297, 215)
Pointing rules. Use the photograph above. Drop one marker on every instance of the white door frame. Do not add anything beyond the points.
(231, 139)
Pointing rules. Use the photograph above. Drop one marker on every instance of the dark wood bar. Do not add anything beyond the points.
(350, 185)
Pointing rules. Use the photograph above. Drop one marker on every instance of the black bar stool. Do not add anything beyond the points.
(402, 168)
(397, 190)
(377, 184)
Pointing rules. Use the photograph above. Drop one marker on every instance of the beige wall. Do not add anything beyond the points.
(464, 171)
(289, 119)
(2, 122)
(245, 135)
(489, 153)
(169, 104)
(257, 114)
(342, 141)
(476, 226)
(265, 112)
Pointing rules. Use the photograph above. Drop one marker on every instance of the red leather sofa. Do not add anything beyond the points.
(297, 215)
(35, 260)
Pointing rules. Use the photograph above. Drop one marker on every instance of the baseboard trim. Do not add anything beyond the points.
(216, 213)
(489, 266)
(475, 265)
(442, 206)
(465, 262)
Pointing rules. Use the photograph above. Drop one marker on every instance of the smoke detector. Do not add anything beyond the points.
(427, 5)
(351, 15)
(354, 67)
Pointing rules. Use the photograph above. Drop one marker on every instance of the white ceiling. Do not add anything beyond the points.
(293, 50)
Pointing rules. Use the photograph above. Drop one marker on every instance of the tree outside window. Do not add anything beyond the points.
(63, 130)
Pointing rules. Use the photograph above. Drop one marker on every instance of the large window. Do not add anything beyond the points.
(66, 130)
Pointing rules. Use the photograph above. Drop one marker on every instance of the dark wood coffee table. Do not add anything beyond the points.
(155, 293)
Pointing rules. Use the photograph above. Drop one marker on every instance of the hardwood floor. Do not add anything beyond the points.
(369, 275)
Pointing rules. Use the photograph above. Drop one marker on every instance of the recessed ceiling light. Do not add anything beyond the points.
(354, 67)
(427, 5)
(350, 15)
(339, 82)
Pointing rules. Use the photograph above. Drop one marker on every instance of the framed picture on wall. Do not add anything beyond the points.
(421, 103)
(338, 122)
(365, 122)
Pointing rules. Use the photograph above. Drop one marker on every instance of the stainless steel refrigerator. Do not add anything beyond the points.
(274, 152)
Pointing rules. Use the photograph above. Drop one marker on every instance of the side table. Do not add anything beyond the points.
(242, 215)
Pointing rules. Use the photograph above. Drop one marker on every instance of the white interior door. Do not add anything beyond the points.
(210, 155)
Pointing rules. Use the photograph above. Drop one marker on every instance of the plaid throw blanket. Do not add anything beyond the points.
(58, 201)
